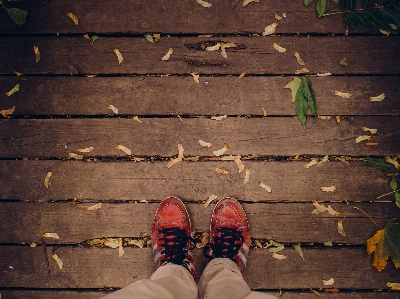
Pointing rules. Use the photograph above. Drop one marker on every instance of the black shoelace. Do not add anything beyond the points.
(175, 241)
(224, 246)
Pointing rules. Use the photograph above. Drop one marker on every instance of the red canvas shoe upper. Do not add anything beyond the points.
(170, 235)
(229, 233)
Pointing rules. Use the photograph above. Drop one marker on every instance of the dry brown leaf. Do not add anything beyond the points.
(372, 131)
(243, 74)
(362, 138)
(94, 207)
(221, 117)
(214, 48)
(51, 235)
(113, 108)
(209, 200)
(37, 53)
(392, 161)
(343, 62)
(156, 36)
(221, 171)
(332, 211)
(302, 71)
(245, 2)
(278, 17)
(112, 242)
(203, 143)
(18, 73)
(321, 208)
(223, 51)
(73, 17)
(377, 98)
(239, 163)
(137, 119)
(279, 256)
(337, 119)
(33, 245)
(371, 143)
(314, 161)
(299, 60)
(167, 56)
(143, 201)
(228, 158)
(124, 149)
(328, 282)
(278, 48)
(47, 179)
(395, 286)
(58, 260)
(324, 74)
(180, 156)
(344, 95)
(266, 187)
(8, 111)
(195, 77)
(329, 189)
(264, 111)
(85, 150)
(340, 228)
(75, 156)
(119, 56)
(315, 292)
(221, 151)
(87, 37)
(120, 248)
(323, 160)
(270, 29)
(247, 176)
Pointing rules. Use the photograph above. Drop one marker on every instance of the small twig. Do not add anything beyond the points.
(388, 193)
(354, 207)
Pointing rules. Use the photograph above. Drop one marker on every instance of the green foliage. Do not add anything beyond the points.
(17, 15)
(305, 97)
(94, 38)
(377, 163)
(149, 38)
(393, 186)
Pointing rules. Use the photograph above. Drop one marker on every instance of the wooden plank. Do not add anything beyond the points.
(283, 136)
(130, 181)
(161, 16)
(102, 268)
(321, 55)
(288, 223)
(172, 95)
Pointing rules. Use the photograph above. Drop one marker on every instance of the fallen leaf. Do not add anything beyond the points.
(312, 163)
(323, 160)
(315, 292)
(243, 74)
(392, 161)
(47, 179)
(112, 242)
(94, 207)
(203, 143)
(85, 150)
(376, 163)
(209, 200)
(239, 163)
(278, 48)
(221, 151)
(245, 2)
(221, 117)
(371, 143)
(18, 73)
(94, 38)
(33, 245)
(204, 3)
(278, 17)
(279, 256)
(37, 53)
(12, 91)
(324, 74)
(120, 248)
(328, 244)
(264, 111)
(73, 17)
(327, 117)
(247, 176)
(149, 38)
(137, 119)
(343, 62)
(340, 228)
(377, 98)
(113, 108)
(332, 211)
(221, 171)
(293, 86)
(362, 138)
(179, 158)
(138, 243)
(385, 243)
(321, 208)
(266, 187)
(302, 71)
(299, 60)
(276, 249)
(166, 56)
(298, 249)
(329, 189)
(223, 51)
(17, 15)
(332, 290)
(270, 29)
(214, 48)
(328, 282)
(51, 235)
(395, 286)
(156, 36)
(75, 156)
(344, 95)
(124, 149)
(58, 260)
(87, 37)
(195, 77)
(119, 55)
(337, 119)
(143, 201)
(372, 131)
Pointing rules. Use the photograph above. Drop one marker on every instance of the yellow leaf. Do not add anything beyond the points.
(221, 151)
(124, 149)
(377, 98)
(221, 171)
(51, 235)
(371, 143)
(73, 17)
(293, 86)
(278, 48)
(214, 48)
(279, 256)
(209, 200)
(137, 119)
(119, 56)
(247, 176)
(203, 143)
(8, 111)
(395, 286)
(344, 95)
(47, 179)
(270, 29)
(223, 51)
(343, 62)
(75, 156)
(120, 248)
(338, 119)
(245, 2)
(18, 73)
(299, 60)
(166, 56)
(58, 260)
(204, 3)
(94, 207)
(13, 90)
(85, 150)
(243, 74)
(372, 131)
(221, 117)
(87, 37)
(264, 111)
(328, 282)
(278, 17)
(329, 189)
(362, 138)
(393, 161)
(37, 53)
(340, 228)
(239, 163)
(179, 158)
(320, 208)
(195, 77)
(112, 242)
(312, 163)
(301, 71)
(332, 211)
(266, 187)
(113, 108)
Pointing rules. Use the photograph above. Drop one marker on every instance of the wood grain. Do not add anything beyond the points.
(256, 54)
(282, 222)
(145, 95)
(130, 181)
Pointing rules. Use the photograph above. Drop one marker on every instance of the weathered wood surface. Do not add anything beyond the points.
(171, 95)
(130, 181)
(283, 136)
(101, 267)
(130, 16)
(81, 294)
(288, 223)
(321, 55)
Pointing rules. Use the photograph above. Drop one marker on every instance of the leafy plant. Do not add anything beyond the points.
(377, 163)
(383, 15)
(393, 186)
(17, 15)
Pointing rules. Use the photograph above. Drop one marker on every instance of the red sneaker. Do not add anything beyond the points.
(170, 235)
(229, 233)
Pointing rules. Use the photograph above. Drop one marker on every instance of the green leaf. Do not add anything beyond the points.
(94, 38)
(390, 15)
(17, 15)
(328, 244)
(308, 2)
(377, 163)
(397, 197)
(376, 19)
(12, 91)
(351, 3)
(293, 86)
(363, 22)
(321, 7)
(335, 1)
(366, 3)
(298, 250)
(342, 4)
(301, 107)
(149, 38)
(393, 183)
(350, 20)
(276, 249)
(309, 94)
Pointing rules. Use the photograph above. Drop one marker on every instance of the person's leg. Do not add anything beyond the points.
(173, 258)
(228, 250)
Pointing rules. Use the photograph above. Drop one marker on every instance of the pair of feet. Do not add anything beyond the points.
(172, 242)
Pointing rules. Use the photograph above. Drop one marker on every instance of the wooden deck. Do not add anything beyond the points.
(62, 105)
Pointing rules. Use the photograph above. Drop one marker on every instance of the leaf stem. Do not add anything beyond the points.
(354, 207)
(388, 193)
(340, 12)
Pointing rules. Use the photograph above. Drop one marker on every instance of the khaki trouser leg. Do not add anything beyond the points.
(222, 279)
(167, 282)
